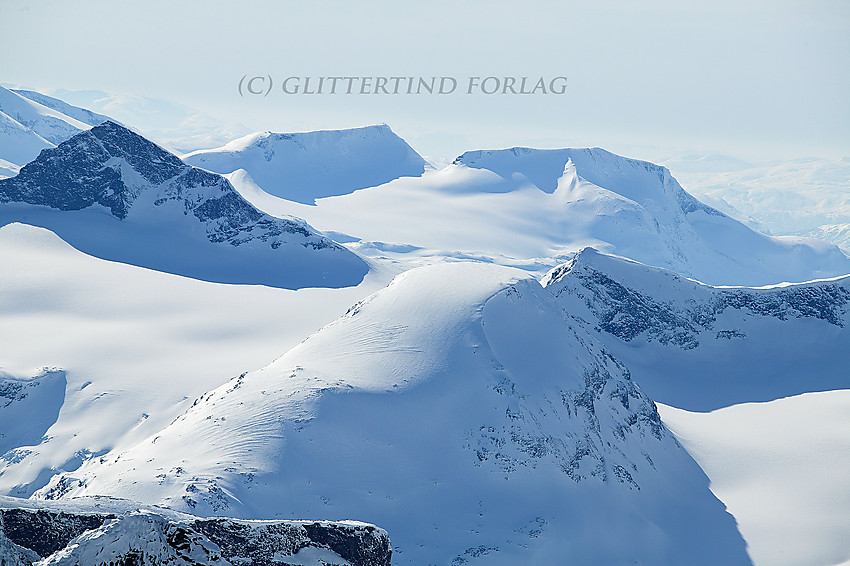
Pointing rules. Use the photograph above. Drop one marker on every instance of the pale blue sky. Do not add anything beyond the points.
(755, 79)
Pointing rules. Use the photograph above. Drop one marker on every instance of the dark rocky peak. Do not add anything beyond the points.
(29, 536)
(148, 159)
(89, 168)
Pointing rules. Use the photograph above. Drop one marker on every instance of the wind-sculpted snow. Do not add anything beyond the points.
(306, 166)
(765, 343)
(459, 408)
(65, 535)
(156, 206)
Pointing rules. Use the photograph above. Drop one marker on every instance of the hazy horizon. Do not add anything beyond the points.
(761, 81)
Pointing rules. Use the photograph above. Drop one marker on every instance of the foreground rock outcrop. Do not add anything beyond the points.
(121, 536)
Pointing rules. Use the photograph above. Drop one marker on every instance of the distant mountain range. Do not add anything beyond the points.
(797, 197)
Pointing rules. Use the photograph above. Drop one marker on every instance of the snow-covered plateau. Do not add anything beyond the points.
(525, 357)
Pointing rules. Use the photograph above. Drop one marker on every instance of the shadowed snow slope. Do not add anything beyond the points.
(535, 208)
(28, 408)
(459, 409)
(698, 347)
(115, 195)
(305, 166)
(779, 465)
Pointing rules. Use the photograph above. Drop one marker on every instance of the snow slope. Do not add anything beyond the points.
(18, 145)
(535, 208)
(81, 114)
(305, 166)
(50, 124)
(458, 409)
(698, 347)
(29, 406)
(30, 122)
(113, 194)
(781, 467)
(131, 348)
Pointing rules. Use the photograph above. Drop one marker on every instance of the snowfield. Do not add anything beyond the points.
(781, 467)
(132, 348)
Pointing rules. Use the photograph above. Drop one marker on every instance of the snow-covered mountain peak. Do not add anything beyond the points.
(177, 209)
(716, 345)
(461, 391)
(647, 184)
(309, 165)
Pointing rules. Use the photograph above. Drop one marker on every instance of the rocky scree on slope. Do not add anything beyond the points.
(701, 348)
(681, 316)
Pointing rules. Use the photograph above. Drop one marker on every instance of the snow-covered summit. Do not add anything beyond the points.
(306, 166)
(702, 347)
(113, 194)
(459, 409)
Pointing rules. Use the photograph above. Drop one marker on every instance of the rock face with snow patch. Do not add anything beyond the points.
(114, 194)
(733, 344)
(59, 537)
(460, 408)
